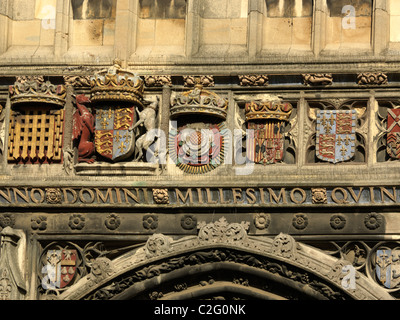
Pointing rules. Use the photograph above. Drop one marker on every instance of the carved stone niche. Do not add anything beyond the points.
(122, 138)
(12, 264)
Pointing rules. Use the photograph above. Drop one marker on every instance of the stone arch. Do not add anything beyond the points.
(222, 262)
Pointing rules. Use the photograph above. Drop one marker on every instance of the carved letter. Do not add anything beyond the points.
(303, 195)
(180, 196)
(82, 198)
(237, 195)
(134, 197)
(41, 193)
(221, 196)
(73, 192)
(23, 196)
(209, 196)
(356, 197)
(344, 194)
(104, 197)
(272, 195)
(391, 196)
(6, 196)
(251, 198)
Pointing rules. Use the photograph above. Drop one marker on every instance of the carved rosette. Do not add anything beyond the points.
(76, 222)
(319, 195)
(262, 220)
(53, 195)
(373, 220)
(337, 221)
(112, 221)
(39, 223)
(161, 196)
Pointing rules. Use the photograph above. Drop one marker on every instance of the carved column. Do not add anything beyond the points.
(12, 264)
(125, 23)
(62, 28)
(192, 28)
(380, 26)
(254, 31)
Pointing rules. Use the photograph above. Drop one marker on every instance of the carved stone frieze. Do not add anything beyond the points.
(157, 81)
(205, 81)
(253, 80)
(77, 81)
(317, 79)
(372, 78)
(222, 231)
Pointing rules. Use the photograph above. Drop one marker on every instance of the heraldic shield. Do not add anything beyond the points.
(114, 137)
(61, 267)
(267, 146)
(393, 133)
(388, 267)
(335, 135)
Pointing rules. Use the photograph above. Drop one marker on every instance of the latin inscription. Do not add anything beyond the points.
(257, 196)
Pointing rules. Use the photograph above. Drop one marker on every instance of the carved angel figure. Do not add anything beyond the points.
(83, 129)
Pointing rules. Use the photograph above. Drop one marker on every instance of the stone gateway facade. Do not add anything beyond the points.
(199, 149)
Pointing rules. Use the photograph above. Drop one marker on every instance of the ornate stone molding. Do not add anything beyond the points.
(157, 81)
(253, 80)
(372, 78)
(205, 81)
(220, 242)
(317, 79)
(222, 231)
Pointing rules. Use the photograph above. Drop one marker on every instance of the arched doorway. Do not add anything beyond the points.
(223, 262)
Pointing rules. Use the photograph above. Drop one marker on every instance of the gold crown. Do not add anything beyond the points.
(117, 84)
(268, 110)
(34, 90)
(198, 101)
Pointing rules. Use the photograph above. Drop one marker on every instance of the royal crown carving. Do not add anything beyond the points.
(36, 91)
(198, 101)
(268, 110)
(117, 84)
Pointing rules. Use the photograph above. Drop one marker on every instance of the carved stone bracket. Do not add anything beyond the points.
(157, 81)
(317, 79)
(205, 81)
(253, 80)
(372, 78)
